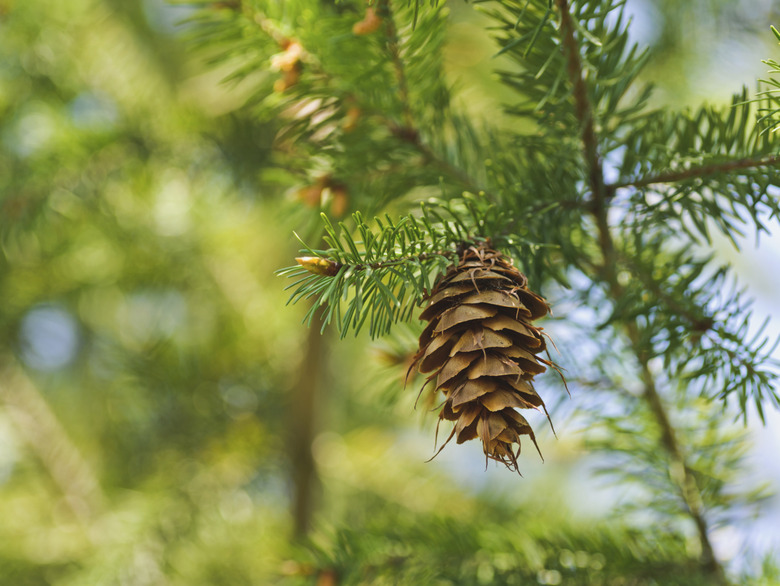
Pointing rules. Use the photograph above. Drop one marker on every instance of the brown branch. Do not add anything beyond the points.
(409, 132)
(694, 172)
(679, 471)
(394, 50)
(584, 113)
(582, 107)
(681, 474)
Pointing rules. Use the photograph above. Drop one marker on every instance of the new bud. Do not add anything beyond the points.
(319, 265)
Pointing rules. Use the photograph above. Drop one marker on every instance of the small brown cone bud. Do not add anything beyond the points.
(370, 23)
(482, 351)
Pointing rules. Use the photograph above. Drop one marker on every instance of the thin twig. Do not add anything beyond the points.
(699, 323)
(410, 132)
(584, 112)
(468, 182)
(330, 268)
(679, 470)
(681, 474)
(394, 50)
(695, 172)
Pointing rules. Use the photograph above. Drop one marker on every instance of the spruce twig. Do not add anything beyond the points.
(410, 133)
(695, 172)
(679, 470)
(394, 51)
(334, 267)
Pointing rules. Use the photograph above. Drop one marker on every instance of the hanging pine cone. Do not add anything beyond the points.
(483, 351)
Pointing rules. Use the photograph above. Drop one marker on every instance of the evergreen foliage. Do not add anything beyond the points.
(610, 197)
(144, 208)
(769, 105)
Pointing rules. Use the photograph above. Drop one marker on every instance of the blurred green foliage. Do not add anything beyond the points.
(147, 356)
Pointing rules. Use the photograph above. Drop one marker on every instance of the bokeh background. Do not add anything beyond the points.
(151, 374)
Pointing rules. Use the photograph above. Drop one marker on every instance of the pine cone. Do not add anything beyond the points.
(482, 350)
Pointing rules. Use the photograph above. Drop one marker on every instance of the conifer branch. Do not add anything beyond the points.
(584, 113)
(409, 132)
(326, 267)
(583, 109)
(465, 179)
(679, 469)
(694, 172)
(390, 269)
(393, 49)
(699, 323)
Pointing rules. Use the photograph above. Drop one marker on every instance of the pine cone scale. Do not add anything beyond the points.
(471, 390)
(437, 351)
(494, 366)
(462, 314)
(455, 365)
